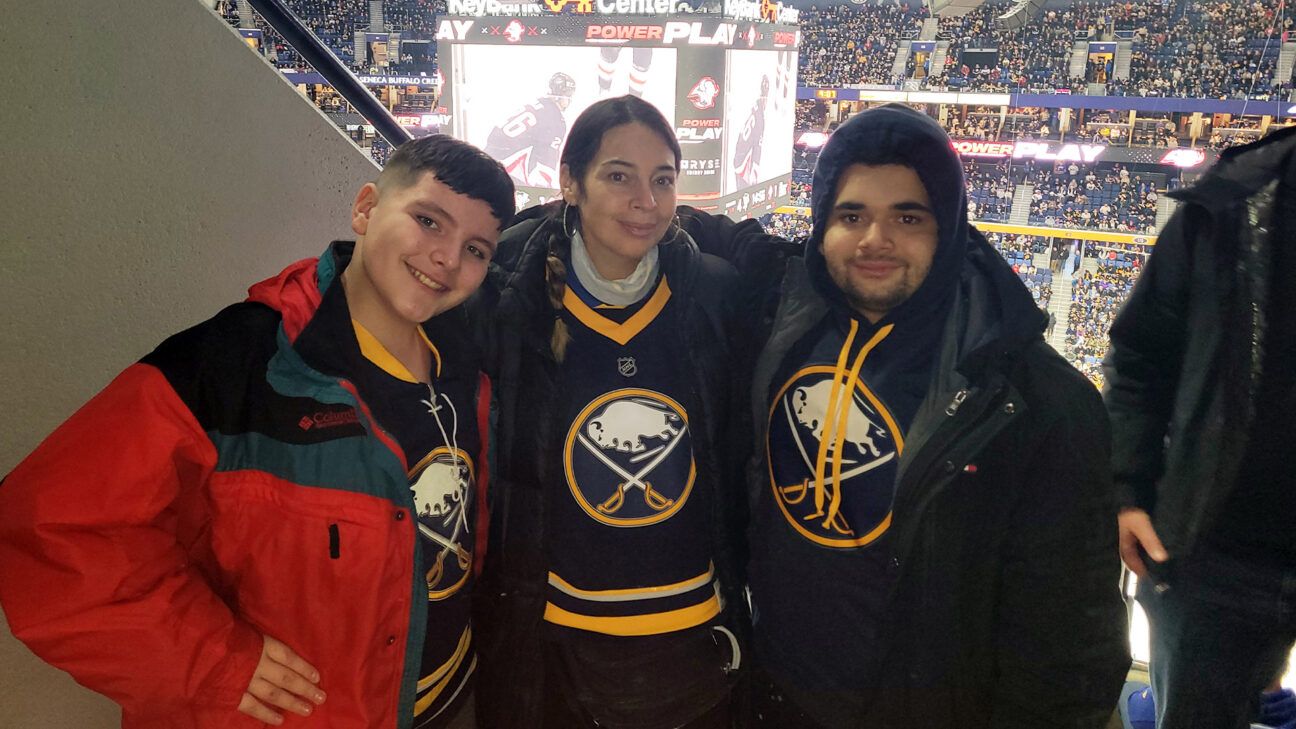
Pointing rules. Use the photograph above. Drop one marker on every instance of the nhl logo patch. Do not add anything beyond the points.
(626, 366)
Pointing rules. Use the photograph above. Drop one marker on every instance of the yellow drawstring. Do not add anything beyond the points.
(843, 418)
(829, 421)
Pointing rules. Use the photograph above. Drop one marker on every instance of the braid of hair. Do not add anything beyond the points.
(556, 280)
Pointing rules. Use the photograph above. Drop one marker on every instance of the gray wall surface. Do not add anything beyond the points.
(154, 167)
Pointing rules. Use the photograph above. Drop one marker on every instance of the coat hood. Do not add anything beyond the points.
(297, 290)
(895, 134)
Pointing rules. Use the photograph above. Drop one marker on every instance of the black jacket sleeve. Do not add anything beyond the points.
(761, 260)
(1061, 625)
(1142, 368)
(756, 254)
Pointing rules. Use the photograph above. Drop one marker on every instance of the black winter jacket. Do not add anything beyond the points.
(511, 595)
(1005, 610)
(1187, 347)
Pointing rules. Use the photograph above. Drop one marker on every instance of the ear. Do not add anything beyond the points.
(363, 206)
(568, 185)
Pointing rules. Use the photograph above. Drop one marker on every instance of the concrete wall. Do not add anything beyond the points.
(154, 166)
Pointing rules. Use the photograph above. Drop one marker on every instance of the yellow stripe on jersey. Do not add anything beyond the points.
(633, 593)
(620, 333)
(436, 682)
(652, 624)
(375, 352)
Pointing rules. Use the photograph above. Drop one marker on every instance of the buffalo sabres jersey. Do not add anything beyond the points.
(629, 545)
(838, 410)
(436, 426)
(528, 143)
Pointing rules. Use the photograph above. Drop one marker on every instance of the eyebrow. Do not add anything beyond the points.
(906, 206)
(623, 163)
(912, 206)
(431, 207)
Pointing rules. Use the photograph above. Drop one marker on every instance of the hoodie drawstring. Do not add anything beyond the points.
(829, 418)
(837, 419)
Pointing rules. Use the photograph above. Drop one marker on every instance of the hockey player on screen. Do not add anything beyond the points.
(528, 142)
(747, 150)
(640, 61)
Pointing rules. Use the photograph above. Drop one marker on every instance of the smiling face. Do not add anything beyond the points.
(626, 198)
(421, 249)
(880, 238)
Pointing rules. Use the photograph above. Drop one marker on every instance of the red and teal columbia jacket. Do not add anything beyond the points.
(224, 487)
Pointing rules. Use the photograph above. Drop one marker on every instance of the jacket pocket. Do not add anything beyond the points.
(282, 548)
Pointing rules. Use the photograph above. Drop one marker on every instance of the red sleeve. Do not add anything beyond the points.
(96, 580)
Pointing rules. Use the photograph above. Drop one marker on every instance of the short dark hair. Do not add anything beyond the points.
(602, 117)
(459, 165)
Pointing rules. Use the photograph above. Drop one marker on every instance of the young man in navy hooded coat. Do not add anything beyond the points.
(933, 540)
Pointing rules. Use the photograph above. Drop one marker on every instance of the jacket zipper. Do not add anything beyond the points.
(953, 407)
(943, 452)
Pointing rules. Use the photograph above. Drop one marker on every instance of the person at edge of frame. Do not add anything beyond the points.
(275, 511)
(1201, 388)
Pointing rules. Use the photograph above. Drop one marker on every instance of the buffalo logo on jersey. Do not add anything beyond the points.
(832, 459)
(442, 485)
(629, 458)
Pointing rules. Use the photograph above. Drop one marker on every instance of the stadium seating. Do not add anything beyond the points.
(990, 190)
(1195, 49)
(787, 226)
(1096, 296)
(1037, 55)
(1072, 196)
(1019, 251)
(415, 17)
(844, 44)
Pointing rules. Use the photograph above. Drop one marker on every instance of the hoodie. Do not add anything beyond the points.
(843, 399)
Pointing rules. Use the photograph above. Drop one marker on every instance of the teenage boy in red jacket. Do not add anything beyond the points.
(273, 513)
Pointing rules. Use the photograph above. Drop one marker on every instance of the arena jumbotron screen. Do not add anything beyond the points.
(515, 84)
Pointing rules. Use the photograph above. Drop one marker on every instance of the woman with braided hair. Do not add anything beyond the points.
(611, 594)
